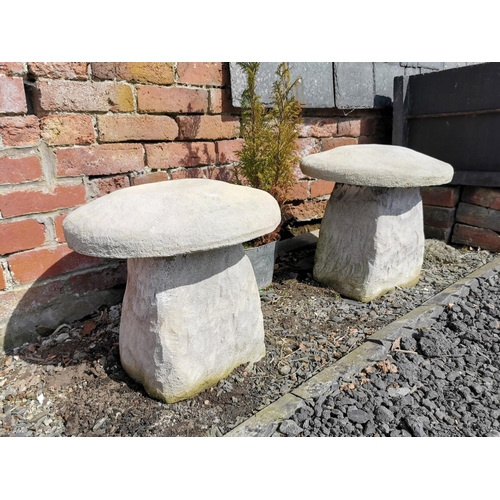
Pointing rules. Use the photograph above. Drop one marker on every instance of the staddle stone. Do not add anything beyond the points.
(372, 238)
(191, 311)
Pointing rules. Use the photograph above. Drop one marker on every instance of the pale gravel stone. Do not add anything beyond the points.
(377, 165)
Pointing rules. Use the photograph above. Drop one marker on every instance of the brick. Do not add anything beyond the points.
(200, 73)
(66, 70)
(103, 159)
(62, 130)
(335, 142)
(41, 298)
(12, 97)
(485, 197)
(214, 173)
(141, 72)
(11, 68)
(299, 191)
(307, 146)
(208, 127)
(441, 196)
(41, 263)
(228, 150)
(437, 233)
(220, 102)
(73, 96)
(19, 130)
(152, 99)
(476, 237)
(179, 154)
(439, 216)
(369, 126)
(150, 177)
(225, 174)
(58, 221)
(370, 139)
(37, 201)
(119, 128)
(477, 216)
(305, 211)
(106, 185)
(319, 127)
(99, 280)
(17, 170)
(188, 173)
(3, 284)
(215, 101)
(350, 127)
(321, 188)
(20, 235)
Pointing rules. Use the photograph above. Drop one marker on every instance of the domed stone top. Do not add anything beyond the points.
(377, 165)
(170, 218)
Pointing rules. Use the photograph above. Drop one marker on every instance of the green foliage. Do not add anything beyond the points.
(270, 151)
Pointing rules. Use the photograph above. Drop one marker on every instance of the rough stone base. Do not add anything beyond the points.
(371, 240)
(189, 320)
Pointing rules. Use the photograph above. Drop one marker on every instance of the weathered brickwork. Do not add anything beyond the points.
(71, 132)
(464, 215)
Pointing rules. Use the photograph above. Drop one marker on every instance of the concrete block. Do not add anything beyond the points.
(431, 65)
(412, 71)
(354, 85)
(265, 79)
(384, 82)
(315, 90)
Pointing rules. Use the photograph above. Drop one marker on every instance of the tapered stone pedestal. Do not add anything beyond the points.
(191, 311)
(371, 238)
(188, 321)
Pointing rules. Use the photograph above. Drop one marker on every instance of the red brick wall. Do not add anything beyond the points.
(71, 132)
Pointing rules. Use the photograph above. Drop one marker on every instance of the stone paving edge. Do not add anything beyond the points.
(375, 348)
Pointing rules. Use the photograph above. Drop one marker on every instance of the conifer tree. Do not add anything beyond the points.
(270, 151)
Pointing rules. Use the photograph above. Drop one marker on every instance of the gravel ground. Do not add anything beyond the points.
(71, 382)
(442, 381)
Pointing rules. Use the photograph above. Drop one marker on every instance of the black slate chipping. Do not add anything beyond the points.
(446, 383)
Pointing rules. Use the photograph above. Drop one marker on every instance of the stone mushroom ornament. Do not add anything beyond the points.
(191, 311)
(372, 236)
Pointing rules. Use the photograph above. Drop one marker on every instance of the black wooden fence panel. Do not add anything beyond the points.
(453, 115)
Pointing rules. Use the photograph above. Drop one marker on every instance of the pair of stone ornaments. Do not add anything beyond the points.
(191, 311)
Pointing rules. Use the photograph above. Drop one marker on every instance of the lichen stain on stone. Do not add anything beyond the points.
(152, 72)
(123, 99)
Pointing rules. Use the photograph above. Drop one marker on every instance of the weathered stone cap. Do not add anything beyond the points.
(377, 165)
(170, 218)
